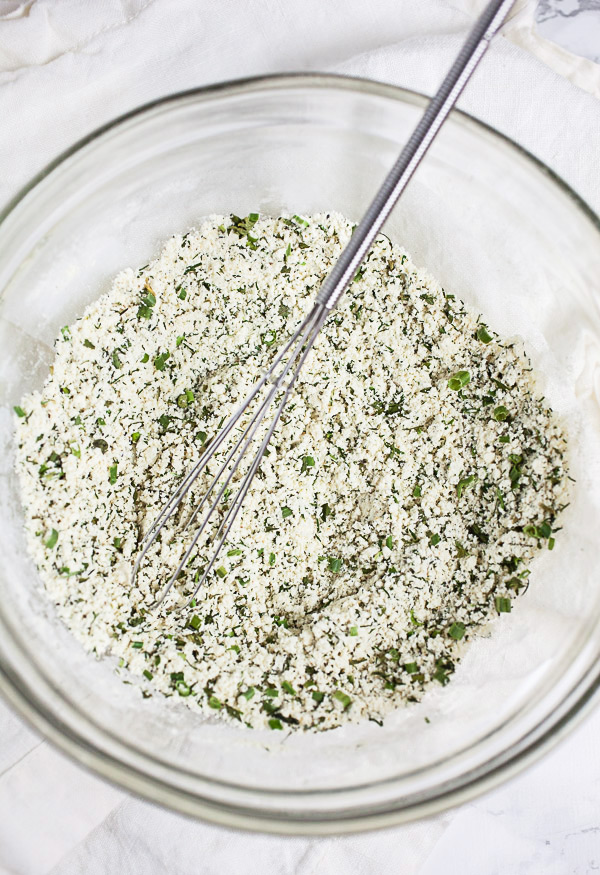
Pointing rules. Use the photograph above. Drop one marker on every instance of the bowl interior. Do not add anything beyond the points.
(498, 232)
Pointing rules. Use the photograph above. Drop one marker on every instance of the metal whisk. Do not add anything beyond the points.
(281, 376)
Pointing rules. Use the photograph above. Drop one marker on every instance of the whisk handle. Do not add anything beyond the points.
(478, 40)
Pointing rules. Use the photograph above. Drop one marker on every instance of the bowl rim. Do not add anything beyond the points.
(577, 703)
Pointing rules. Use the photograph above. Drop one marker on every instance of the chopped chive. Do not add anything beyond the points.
(221, 572)
(269, 337)
(435, 539)
(342, 697)
(417, 492)
(116, 360)
(504, 439)
(354, 630)
(274, 723)
(465, 483)
(215, 703)
(148, 674)
(317, 695)
(235, 552)
(271, 558)
(500, 413)
(137, 645)
(145, 358)
(272, 692)
(483, 335)
(135, 437)
(195, 622)
(458, 380)
(334, 565)
(503, 605)
(411, 667)
(19, 411)
(286, 685)
(113, 473)
(551, 543)
(248, 693)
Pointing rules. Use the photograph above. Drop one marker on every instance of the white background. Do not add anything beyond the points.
(66, 66)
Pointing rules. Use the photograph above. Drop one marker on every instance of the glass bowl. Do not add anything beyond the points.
(499, 230)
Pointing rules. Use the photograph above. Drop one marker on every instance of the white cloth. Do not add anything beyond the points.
(67, 66)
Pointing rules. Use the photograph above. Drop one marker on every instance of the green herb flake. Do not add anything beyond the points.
(288, 688)
(457, 631)
(307, 462)
(116, 360)
(215, 703)
(135, 437)
(318, 696)
(389, 542)
(161, 360)
(435, 539)
(274, 723)
(503, 605)
(221, 571)
(500, 413)
(19, 411)
(417, 492)
(113, 473)
(286, 512)
(52, 539)
(334, 565)
(148, 674)
(88, 344)
(465, 483)
(248, 693)
(353, 631)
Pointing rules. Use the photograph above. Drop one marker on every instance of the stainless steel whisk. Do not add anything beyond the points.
(289, 361)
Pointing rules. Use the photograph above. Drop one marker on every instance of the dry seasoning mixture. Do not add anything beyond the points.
(413, 477)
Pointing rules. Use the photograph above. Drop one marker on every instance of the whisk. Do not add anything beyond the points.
(278, 381)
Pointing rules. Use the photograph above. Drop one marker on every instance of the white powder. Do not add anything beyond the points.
(413, 476)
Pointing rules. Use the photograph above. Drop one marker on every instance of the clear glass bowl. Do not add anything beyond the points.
(497, 229)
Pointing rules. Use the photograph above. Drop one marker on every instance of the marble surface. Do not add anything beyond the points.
(572, 24)
(63, 65)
